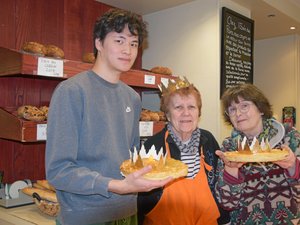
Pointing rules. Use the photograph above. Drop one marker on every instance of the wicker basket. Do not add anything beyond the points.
(49, 208)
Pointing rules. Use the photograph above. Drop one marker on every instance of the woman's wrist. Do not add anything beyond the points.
(228, 178)
(232, 171)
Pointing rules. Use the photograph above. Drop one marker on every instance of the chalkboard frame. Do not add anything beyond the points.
(225, 14)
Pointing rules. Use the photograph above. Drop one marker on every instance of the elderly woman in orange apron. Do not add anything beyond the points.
(189, 200)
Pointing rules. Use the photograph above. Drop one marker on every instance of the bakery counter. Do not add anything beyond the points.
(24, 215)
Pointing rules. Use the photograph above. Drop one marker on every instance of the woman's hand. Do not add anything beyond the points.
(231, 167)
(289, 163)
(135, 182)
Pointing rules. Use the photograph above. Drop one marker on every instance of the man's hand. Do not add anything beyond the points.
(135, 182)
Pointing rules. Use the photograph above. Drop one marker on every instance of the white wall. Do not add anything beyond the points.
(187, 39)
(276, 70)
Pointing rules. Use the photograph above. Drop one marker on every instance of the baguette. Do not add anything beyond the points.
(45, 184)
(36, 185)
(44, 194)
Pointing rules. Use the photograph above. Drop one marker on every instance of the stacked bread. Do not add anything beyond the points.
(44, 195)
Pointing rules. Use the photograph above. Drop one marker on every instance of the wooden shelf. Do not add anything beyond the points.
(14, 128)
(13, 62)
(16, 63)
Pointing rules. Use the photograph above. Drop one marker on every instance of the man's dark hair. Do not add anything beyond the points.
(116, 20)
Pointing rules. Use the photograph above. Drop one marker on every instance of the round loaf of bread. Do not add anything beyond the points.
(34, 47)
(45, 110)
(31, 113)
(88, 57)
(54, 51)
(161, 70)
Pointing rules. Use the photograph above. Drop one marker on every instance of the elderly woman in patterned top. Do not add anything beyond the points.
(258, 193)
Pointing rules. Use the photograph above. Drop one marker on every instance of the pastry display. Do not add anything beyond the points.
(161, 70)
(256, 152)
(162, 166)
(88, 57)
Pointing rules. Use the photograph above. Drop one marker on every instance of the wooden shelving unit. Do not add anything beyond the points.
(15, 63)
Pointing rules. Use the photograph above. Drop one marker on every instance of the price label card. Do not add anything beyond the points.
(41, 132)
(50, 67)
(149, 79)
(146, 129)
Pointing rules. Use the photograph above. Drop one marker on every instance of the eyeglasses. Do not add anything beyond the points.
(243, 107)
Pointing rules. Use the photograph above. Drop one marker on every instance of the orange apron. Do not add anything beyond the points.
(185, 201)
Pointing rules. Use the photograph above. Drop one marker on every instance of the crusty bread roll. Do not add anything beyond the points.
(32, 113)
(54, 51)
(45, 110)
(154, 116)
(34, 47)
(43, 193)
(88, 57)
(162, 116)
(161, 70)
(145, 116)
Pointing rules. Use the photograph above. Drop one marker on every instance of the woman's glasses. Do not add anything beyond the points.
(243, 107)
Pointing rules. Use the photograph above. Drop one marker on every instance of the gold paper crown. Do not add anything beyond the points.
(139, 158)
(173, 85)
(255, 147)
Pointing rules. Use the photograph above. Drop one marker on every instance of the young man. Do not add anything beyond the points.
(93, 122)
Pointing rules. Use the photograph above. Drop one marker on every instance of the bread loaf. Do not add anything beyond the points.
(43, 193)
(161, 70)
(54, 51)
(34, 47)
(88, 57)
(32, 113)
(43, 50)
(45, 184)
(36, 185)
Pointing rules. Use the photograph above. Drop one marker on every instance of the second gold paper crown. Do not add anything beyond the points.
(173, 85)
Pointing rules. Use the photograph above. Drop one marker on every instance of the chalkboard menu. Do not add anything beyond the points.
(236, 49)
